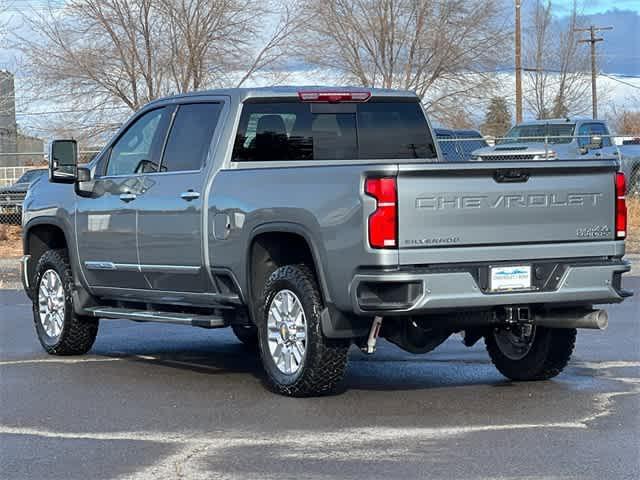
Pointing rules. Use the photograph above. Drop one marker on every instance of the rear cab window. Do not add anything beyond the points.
(190, 137)
(292, 130)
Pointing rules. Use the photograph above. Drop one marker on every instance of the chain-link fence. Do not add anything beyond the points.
(16, 180)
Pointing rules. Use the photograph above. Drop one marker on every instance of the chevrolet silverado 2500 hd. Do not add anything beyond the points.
(310, 219)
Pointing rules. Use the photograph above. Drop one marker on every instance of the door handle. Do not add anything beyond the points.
(128, 197)
(189, 195)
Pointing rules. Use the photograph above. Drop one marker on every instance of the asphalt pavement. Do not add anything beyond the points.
(172, 402)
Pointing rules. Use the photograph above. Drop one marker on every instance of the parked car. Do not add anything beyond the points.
(577, 138)
(11, 197)
(459, 145)
(310, 219)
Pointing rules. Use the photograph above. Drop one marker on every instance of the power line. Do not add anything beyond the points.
(593, 40)
(53, 112)
(620, 81)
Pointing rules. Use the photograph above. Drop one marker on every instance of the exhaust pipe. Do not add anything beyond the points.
(594, 319)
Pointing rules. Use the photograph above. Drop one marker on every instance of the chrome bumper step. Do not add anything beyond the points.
(194, 320)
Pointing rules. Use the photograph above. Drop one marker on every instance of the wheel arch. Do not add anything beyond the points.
(42, 234)
(265, 253)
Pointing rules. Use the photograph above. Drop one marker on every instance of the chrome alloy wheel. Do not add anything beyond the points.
(287, 332)
(515, 341)
(51, 303)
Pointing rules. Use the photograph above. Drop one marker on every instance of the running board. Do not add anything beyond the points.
(194, 320)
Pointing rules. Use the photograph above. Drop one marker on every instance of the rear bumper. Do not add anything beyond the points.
(421, 290)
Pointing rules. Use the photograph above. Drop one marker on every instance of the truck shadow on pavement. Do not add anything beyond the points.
(388, 370)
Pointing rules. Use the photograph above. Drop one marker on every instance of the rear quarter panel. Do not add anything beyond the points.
(325, 204)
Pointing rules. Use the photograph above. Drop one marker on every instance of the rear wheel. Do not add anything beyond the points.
(59, 329)
(526, 352)
(298, 359)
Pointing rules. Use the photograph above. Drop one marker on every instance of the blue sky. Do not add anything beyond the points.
(618, 54)
(595, 6)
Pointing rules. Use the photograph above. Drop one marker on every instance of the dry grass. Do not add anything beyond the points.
(10, 241)
(633, 216)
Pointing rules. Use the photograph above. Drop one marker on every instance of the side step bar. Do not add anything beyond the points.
(194, 320)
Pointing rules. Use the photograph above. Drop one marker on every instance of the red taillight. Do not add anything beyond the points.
(334, 97)
(383, 223)
(621, 206)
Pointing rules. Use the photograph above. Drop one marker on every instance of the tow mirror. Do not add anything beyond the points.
(63, 161)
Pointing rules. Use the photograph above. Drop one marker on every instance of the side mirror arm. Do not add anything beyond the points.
(84, 184)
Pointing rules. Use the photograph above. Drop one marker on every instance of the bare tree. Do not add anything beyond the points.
(442, 50)
(113, 56)
(458, 118)
(624, 121)
(558, 83)
(213, 42)
(536, 56)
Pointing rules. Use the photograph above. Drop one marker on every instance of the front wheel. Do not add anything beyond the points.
(59, 329)
(298, 359)
(527, 352)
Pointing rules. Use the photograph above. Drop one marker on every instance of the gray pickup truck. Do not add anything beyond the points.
(561, 139)
(311, 219)
(12, 196)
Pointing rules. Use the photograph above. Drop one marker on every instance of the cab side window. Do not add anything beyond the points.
(190, 137)
(138, 149)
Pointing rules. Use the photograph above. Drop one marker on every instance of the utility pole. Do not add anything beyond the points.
(594, 71)
(518, 65)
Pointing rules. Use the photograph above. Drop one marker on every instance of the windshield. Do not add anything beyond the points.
(553, 132)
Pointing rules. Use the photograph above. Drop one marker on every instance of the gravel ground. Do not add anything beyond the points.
(10, 273)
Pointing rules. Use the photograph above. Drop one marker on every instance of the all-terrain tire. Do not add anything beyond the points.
(324, 363)
(549, 354)
(78, 333)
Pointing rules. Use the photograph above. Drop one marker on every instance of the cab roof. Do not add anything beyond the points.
(242, 94)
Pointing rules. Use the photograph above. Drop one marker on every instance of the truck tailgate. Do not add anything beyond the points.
(489, 204)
